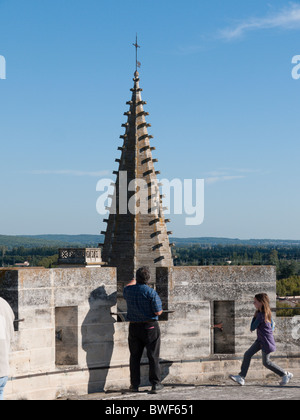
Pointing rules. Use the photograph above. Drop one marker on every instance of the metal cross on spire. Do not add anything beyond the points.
(136, 45)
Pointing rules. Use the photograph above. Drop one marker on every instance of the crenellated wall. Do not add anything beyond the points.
(70, 343)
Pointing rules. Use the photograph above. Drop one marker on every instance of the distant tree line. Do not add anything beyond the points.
(37, 256)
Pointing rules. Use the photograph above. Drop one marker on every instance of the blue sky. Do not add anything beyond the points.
(222, 101)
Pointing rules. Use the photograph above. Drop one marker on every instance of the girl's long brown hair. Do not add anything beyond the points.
(264, 299)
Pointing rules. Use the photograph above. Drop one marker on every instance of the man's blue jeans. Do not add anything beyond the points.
(3, 382)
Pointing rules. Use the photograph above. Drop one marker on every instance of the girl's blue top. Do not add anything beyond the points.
(264, 332)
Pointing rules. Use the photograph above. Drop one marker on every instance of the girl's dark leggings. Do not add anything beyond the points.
(255, 348)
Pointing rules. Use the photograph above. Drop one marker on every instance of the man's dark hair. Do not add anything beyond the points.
(143, 275)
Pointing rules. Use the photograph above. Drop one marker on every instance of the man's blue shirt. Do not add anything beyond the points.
(142, 303)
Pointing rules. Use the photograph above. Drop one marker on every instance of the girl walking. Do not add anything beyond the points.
(263, 323)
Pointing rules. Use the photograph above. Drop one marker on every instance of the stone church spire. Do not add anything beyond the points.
(136, 233)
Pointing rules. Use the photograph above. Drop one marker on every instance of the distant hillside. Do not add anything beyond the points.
(76, 240)
(228, 241)
(59, 241)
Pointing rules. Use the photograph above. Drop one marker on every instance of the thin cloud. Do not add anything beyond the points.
(68, 172)
(238, 170)
(287, 18)
(214, 179)
(226, 174)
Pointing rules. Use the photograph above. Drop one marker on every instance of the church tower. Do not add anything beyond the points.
(136, 233)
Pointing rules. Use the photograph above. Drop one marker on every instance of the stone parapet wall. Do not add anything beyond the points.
(66, 312)
(70, 343)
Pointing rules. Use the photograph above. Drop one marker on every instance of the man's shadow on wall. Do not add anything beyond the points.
(97, 333)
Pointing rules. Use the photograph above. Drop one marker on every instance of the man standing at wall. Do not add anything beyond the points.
(143, 308)
(6, 334)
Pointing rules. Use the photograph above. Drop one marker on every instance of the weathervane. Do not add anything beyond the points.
(136, 45)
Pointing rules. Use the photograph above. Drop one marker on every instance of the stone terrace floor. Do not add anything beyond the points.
(224, 391)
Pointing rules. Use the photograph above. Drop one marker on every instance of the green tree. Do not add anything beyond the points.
(273, 258)
(285, 310)
(287, 269)
(289, 286)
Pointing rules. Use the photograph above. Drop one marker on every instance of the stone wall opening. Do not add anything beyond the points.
(224, 341)
(66, 335)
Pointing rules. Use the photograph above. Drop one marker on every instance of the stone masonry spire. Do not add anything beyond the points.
(140, 237)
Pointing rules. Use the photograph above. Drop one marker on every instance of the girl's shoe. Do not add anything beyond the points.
(238, 379)
(286, 378)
